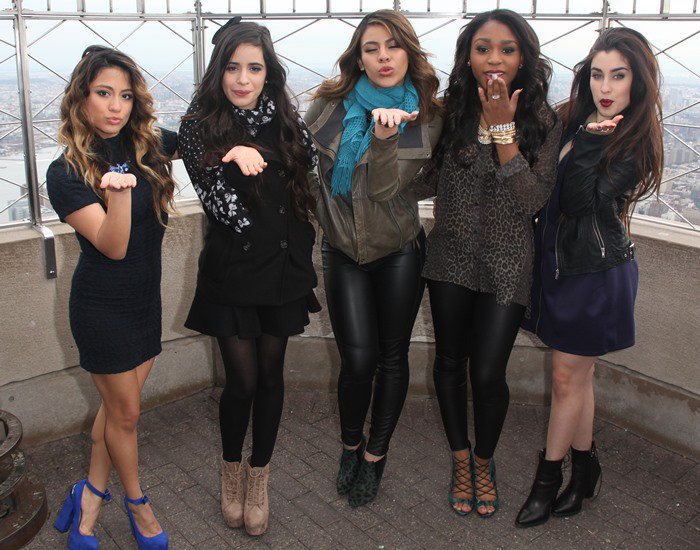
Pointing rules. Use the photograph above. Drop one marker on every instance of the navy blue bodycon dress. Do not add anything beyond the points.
(589, 314)
(115, 306)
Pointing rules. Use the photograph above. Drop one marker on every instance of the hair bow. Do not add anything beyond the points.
(230, 23)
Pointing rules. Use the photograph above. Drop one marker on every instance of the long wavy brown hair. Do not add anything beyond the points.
(85, 151)
(420, 70)
(221, 129)
(640, 132)
(534, 118)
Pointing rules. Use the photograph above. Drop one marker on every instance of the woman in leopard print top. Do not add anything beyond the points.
(489, 181)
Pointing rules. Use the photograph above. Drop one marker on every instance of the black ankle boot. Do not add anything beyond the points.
(585, 472)
(538, 505)
(349, 468)
(367, 482)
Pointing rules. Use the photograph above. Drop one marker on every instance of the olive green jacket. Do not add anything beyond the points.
(382, 214)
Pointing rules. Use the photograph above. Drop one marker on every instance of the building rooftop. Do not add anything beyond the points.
(648, 499)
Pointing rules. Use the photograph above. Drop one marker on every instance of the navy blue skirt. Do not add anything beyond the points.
(589, 314)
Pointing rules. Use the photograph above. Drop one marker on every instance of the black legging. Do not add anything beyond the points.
(372, 309)
(471, 326)
(254, 376)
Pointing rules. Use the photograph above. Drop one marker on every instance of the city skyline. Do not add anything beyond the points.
(58, 52)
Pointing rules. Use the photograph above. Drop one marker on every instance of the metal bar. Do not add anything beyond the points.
(681, 110)
(677, 213)
(675, 124)
(302, 66)
(693, 149)
(176, 33)
(171, 71)
(296, 31)
(8, 57)
(198, 33)
(12, 182)
(47, 135)
(49, 103)
(126, 37)
(49, 250)
(42, 35)
(11, 131)
(11, 204)
(25, 108)
(680, 175)
(3, 112)
(73, 16)
(48, 68)
(568, 33)
(436, 28)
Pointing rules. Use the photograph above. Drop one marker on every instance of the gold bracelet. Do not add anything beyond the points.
(503, 140)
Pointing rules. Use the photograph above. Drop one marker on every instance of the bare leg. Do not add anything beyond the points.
(463, 489)
(572, 402)
(121, 401)
(100, 462)
(583, 438)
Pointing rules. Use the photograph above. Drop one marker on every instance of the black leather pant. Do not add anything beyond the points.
(471, 327)
(372, 308)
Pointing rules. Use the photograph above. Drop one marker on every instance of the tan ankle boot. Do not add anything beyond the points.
(257, 509)
(232, 493)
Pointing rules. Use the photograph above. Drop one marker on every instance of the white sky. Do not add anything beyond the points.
(318, 46)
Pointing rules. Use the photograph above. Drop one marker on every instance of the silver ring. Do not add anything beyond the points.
(496, 96)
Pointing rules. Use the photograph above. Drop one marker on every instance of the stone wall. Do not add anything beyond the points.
(652, 388)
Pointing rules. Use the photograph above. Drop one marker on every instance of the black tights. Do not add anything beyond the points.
(372, 309)
(471, 327)
(254, 376)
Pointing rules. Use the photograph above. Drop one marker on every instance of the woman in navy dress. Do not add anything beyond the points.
(113, 185)
(248, 154)
(585, 275)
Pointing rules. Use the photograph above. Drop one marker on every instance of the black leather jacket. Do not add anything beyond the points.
(591, 236)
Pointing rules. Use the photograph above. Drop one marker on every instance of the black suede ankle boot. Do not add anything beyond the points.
(349, 468)
(538, 505)
(367, 482)
(585, 472)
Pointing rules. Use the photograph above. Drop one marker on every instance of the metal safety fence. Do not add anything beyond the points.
(41, 40)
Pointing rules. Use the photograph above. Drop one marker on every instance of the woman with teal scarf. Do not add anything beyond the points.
(375, 125)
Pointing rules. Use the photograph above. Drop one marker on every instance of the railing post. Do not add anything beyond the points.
(198, 43)
(30, 169)
(605, 19)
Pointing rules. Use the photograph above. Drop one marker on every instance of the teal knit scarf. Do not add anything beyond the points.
(357, 132)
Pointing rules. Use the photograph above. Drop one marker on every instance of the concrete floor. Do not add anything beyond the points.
(649, 497)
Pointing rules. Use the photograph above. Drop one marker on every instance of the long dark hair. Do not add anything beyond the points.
(420, 70)
(640, 130)
(534, 118)
(221, 129)
(85, 151)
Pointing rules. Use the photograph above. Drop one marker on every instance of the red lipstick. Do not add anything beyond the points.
(606, 102)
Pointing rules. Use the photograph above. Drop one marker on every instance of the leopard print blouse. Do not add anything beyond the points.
(483, 235)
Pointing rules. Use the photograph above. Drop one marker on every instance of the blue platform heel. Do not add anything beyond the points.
(69, 516)
(156, 542)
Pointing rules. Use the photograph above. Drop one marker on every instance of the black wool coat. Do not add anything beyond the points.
(269, 263)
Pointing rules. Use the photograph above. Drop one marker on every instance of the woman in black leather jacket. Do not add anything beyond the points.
(585, 279)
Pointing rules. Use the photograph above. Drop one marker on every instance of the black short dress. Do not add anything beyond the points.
(115, 306)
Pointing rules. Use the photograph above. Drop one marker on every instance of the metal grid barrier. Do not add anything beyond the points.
(30, 30)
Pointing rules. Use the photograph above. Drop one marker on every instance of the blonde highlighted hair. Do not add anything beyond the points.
(85, 151)
(422, 73)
